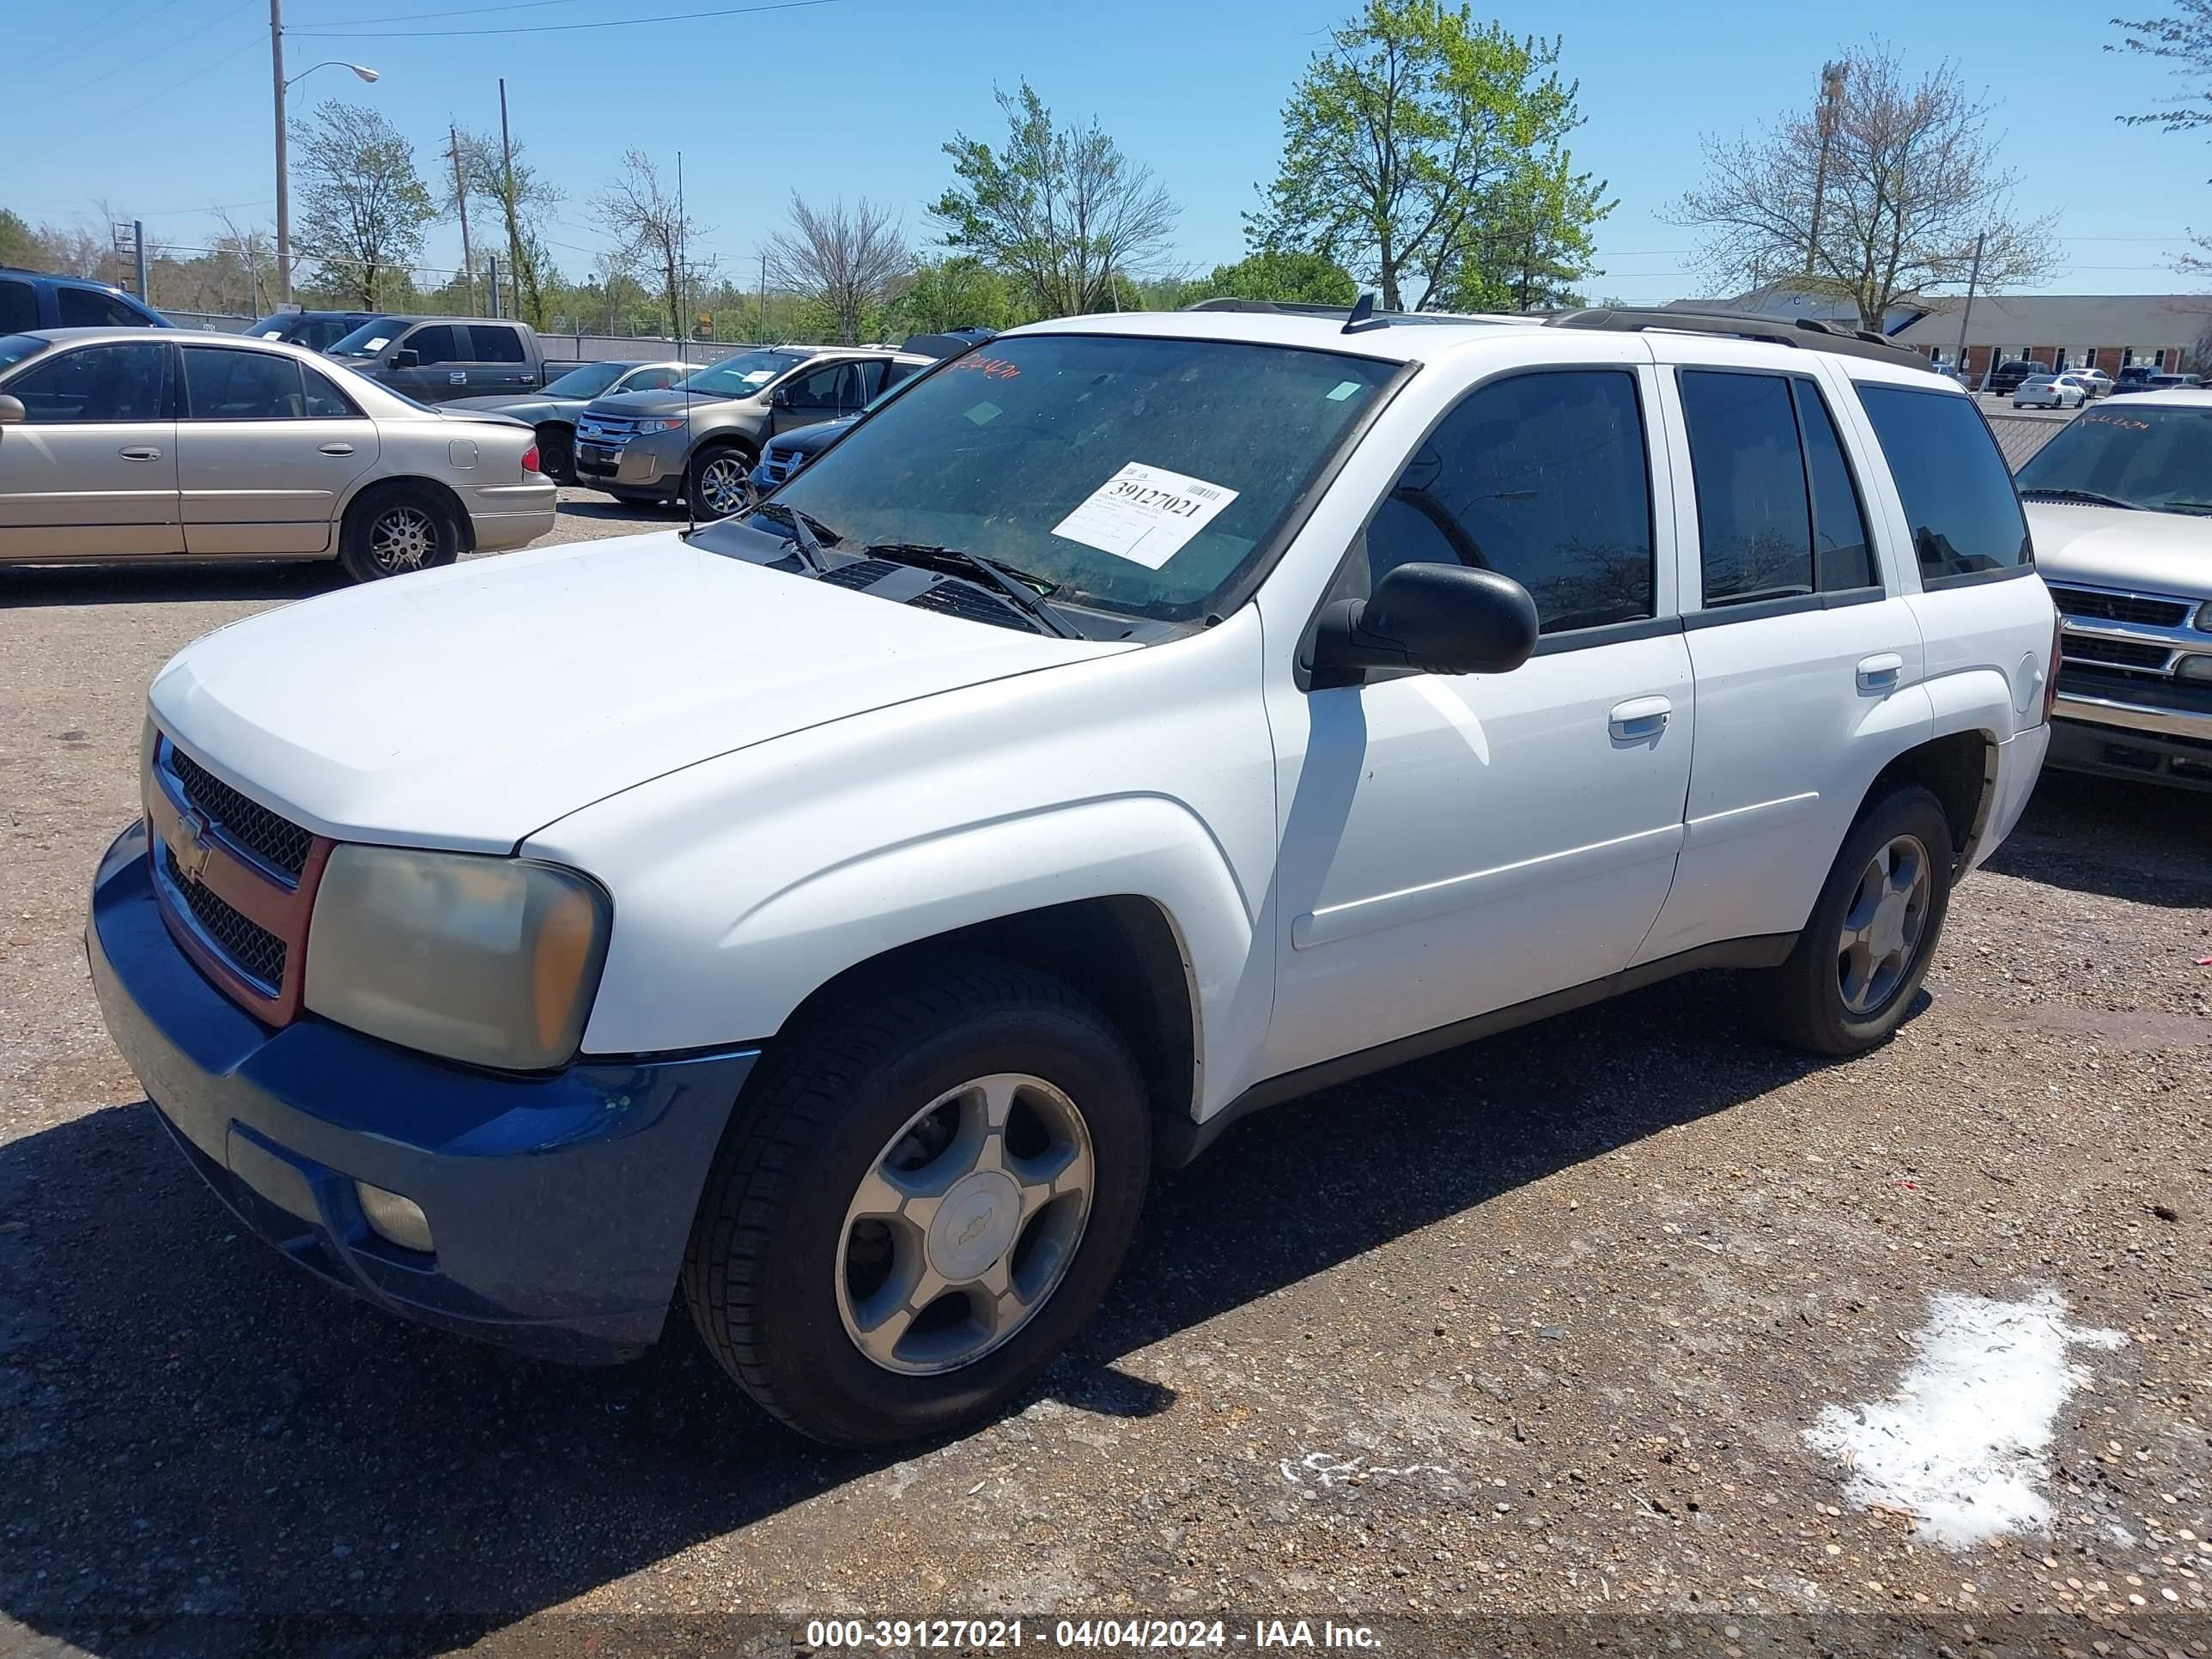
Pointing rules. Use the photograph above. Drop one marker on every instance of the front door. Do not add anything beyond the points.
(1456, 845)
(92, 470)
(265, 451)
(440, 371)
(1808, 662)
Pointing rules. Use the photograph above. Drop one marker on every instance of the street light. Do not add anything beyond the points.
(283, 163)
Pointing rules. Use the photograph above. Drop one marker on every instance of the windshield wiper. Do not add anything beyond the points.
(2089, 496)
(802, 537)
(1004, 577)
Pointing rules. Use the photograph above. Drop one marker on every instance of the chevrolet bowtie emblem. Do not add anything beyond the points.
(191, 846)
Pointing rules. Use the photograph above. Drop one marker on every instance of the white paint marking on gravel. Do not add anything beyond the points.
(1964, 1442)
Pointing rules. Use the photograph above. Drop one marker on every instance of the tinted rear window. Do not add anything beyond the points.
(1958, 496)
(19, 305)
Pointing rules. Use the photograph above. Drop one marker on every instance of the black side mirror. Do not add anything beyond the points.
(1431, 619)
(406, 357)
(12, 410)
(781, 398)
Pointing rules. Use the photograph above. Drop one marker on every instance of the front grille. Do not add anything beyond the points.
(276, 840)
(956, 599)
(779, 466)
(867, 574)
(251, 949)
(2119, 607)
(2121, 654)
(608, 428)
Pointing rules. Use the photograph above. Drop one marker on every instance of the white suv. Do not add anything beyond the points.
(836, 911)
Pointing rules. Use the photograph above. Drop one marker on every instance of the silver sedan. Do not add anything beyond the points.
(135, 443)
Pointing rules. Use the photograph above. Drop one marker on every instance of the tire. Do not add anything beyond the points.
(782, 1271)
(392, 529)
(718, 480)
(1817, 999)
(556, 451)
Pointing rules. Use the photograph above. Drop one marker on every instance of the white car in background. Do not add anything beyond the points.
(137, 444)
(2051, 391)
(2095, 382)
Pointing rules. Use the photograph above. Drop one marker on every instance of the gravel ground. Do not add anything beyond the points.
(1529, 1335)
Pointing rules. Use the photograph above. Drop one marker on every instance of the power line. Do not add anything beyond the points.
(466, 11)
(131, 109)
(553, 29)
(89, 34)
(162, 51)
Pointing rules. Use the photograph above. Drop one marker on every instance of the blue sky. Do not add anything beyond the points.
(162, 106)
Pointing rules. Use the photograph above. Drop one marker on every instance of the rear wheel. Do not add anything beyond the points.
(390, 531)
(1866, 947)
(921, 1203)
(719, 482)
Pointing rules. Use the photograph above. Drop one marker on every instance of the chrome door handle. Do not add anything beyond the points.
(140, 452)
(1879, 672)
(1639, 718)
(335, 449)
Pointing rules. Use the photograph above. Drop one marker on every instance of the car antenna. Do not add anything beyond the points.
(1363, 312)
(682, 355)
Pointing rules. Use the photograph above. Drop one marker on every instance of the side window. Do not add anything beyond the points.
(894, 372)
(88, 307)
(1544, 477)
(491, 343)
(871, 378)
(1843, 559)
(19, 305)
(116, 382)
(433, 344)
(653, 380)
(1755, 525)
(1958, 495)
(241, 386)
(325, 401)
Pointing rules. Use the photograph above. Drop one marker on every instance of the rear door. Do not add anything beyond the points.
(92, 471)
(1806, 655)
(818, 394)
(498, 360)
(266, 448)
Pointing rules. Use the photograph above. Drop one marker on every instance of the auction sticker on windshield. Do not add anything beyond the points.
(1145, 514)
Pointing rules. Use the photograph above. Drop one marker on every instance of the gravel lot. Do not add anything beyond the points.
(1532, 1333)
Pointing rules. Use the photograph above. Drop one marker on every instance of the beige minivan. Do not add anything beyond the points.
(153, 443)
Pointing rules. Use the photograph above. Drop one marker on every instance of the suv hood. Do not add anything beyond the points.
(469, 707)
(2142, 551)
(664, 402)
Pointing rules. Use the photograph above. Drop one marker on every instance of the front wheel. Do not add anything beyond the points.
(719, 482)
(924, 1194)
(1866, 947)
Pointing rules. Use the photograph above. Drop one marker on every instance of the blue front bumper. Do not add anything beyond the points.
(559, 1204)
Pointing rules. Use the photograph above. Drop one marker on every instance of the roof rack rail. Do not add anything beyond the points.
(1807, 331)
(1374, 316)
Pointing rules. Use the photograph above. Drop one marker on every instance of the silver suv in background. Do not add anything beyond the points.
(700, 439)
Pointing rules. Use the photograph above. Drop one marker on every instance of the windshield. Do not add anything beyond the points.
(740, 376)
(2159, 459)
(13, 347)
(588, 381)
(371, 337)
(1139, 475)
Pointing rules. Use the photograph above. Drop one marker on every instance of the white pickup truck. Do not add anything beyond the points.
(837, 911)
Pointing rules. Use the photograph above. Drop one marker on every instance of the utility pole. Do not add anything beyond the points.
(1832, 99)
(507, 174)
(284, 167)
(1967, 314)
(492, 262)
(461, 197)
(763, 297)
(139, 246)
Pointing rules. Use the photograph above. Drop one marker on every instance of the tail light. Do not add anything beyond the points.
(530, 459)
(2051, 680)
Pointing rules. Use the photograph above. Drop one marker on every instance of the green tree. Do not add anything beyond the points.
(18, 244)
(959, 292)
(1535, 247)
(1410, 139)
(363, 207)
(1282, 274)
(1061, 210)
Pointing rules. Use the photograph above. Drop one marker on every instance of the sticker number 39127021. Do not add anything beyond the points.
(1145, 514)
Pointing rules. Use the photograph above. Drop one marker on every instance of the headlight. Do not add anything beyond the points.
(2204, 618)
(489, 960)
(673, 423)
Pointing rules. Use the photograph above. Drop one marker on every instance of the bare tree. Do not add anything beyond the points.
(1912, 178)
(363, 205)
(653, 230)
(1061, 210)
(844, 260)
(2185, 40)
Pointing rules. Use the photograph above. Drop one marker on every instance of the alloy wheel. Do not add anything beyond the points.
(404, 538)
(1883, 925)
(965, 1224)
(724, 486)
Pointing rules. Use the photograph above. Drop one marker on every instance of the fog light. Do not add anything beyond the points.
(2194, 668)
(397, 1221)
